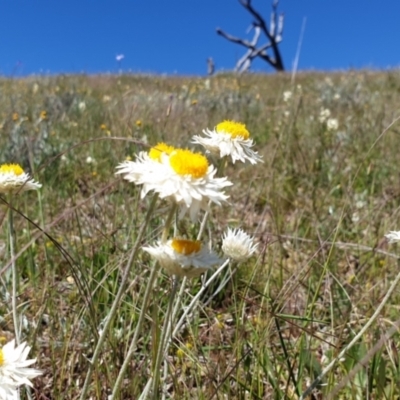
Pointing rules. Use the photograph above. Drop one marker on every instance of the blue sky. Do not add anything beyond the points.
(177, 36)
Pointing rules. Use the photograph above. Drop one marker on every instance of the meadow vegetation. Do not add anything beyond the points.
(319, 207)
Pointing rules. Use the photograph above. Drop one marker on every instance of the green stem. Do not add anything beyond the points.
(192, 304)
(148, 291)
(164, 339)
(203, 224)
(14, 273)
(118, 297)
(132, 347)
(220, 172)
(356, 338)
(168, 223)
(181, 321)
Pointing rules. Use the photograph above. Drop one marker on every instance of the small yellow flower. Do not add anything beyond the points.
(181, 351)
(219, 321)
(15, 117)
(43, 115)
(128, 158)
(103, 127)
(255, 320)
(138, 123)
(194, 102)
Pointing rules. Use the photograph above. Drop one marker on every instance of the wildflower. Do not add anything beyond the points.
(324, 114)
(229, 138)
(35, 88)
(13, 179)
(15, 117)
(90, 160)
(176, 174)
(393, 236)
(13, 369)
(238, 245)
(43, 115)
(194, 102)
(332, 124)
(287, 96)
(82, 106)
(103, 127)
(138, 123)
(184, 258)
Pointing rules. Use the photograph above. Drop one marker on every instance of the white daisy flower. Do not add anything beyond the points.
(13, 179)
(229, 138)
(238, 245)
(13, 368)
(393, 236)
(324, 114)
(8, 390)
(184, 258)
(287, 96)
(332, 124)
(176, 174)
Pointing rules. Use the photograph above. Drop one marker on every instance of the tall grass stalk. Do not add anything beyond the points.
(118, 297)
(184, 317)
(142, 315)
(163, 344)
(138, 330)
(14, 272)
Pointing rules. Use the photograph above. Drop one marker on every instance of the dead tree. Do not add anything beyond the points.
(273, 35)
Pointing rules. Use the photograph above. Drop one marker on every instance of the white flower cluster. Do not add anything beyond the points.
(332, 124)
(186, 179)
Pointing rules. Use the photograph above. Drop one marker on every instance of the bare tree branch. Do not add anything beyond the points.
(273, 34)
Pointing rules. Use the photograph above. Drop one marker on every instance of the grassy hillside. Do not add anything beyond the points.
(319, 207)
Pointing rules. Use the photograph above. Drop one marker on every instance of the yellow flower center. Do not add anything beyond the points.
(186, 247)
(11, 169)
(235, 129)
(1, 357)
(156, 151)
(185, 162)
